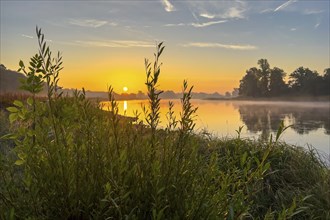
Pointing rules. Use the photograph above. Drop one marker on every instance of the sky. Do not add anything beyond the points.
(209, 43)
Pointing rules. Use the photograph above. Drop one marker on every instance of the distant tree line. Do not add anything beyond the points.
(267, 82)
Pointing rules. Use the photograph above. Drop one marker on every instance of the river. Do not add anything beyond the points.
(309, 121)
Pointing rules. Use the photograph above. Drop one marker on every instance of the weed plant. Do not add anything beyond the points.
(71, 160)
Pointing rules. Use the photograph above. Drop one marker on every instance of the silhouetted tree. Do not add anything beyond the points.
(277, 86)
(235, 92)
(325, 88)
(140, 95)
(265, 82)
(249, 83)
(305, 81)
(228, 94)
(263, 73)
(256, 81)
(327, 73)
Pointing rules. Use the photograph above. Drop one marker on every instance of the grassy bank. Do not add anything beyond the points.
(65, 158)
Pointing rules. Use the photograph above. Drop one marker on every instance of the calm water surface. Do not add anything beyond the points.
(310, 121)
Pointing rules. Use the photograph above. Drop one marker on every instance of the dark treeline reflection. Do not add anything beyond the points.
(265, 118)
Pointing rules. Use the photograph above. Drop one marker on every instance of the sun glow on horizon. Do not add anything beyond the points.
(125, 89)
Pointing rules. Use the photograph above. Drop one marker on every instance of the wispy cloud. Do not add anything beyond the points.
(93, 23)
(233, 12)
(284, 5)
(316, 25)
(230, 13)
(293, 29)
(168, 5)
(27, 36)
(206, 15)
(267, 10)
(175, 25)
(235, 9)
(197, 25)
(218, 45)
(31, 37)
(312, 12)
(115, 43)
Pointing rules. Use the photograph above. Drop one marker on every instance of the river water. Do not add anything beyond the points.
(309, 121)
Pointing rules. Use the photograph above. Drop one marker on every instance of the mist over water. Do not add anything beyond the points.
(309, 121)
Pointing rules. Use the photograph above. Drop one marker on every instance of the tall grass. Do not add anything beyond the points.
(71, 160)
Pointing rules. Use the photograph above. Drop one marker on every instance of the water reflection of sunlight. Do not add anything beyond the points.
(125, 107)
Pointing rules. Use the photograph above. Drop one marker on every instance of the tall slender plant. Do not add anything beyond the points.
(188, 111)
(153, 115)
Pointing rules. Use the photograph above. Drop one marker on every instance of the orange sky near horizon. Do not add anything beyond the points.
(126, 68)
(100, 70)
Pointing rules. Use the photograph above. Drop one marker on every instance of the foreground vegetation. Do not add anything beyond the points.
(65, 158)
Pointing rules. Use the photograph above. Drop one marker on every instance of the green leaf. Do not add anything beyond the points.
(21, 64)
(21, 115)
(30, 133)
(107, 188)
(21, 155)
(12, 109)
(266, 167)
(19, 162)
(8, 137)
(39, 64)
(29, 101)
(161, 50)
(12, 214)
(13, 117)
(18, 103)
(279, 130)
(243, 158)
(32, 64)
(256, 160)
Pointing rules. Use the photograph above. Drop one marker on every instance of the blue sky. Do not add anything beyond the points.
(210, 43)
